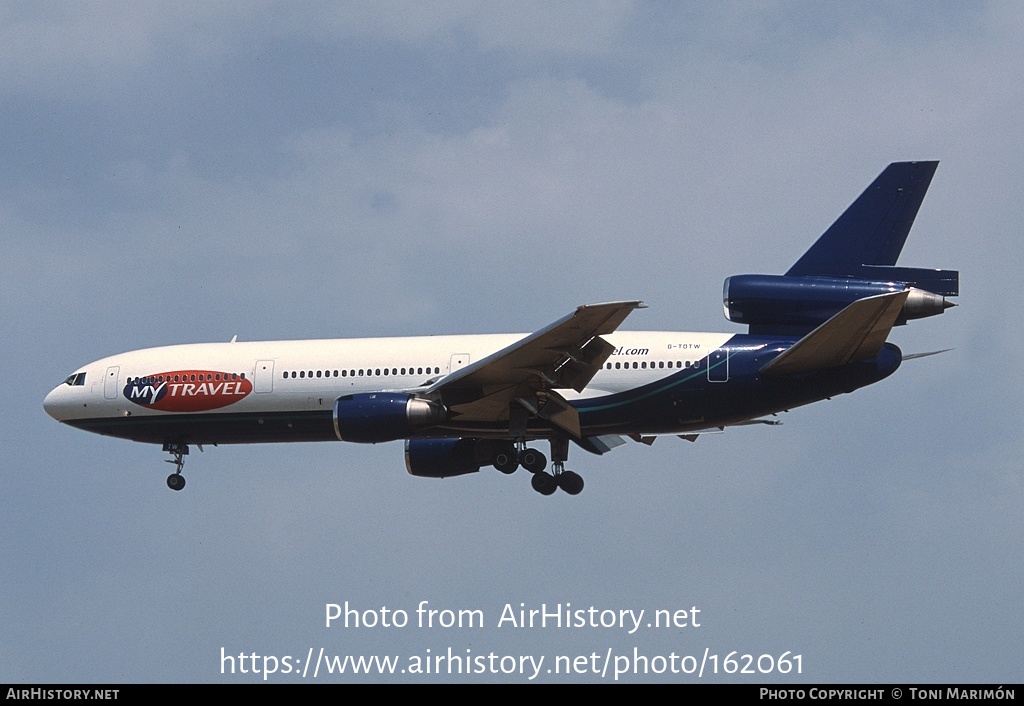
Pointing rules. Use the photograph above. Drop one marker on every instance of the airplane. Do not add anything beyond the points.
(461, 403)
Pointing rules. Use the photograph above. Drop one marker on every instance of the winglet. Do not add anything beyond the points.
(856, 333)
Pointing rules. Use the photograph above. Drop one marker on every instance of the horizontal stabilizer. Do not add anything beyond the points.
(913, 356)
(944, 282)
(856, 333)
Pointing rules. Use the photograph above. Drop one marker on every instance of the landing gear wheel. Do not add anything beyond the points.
(506, 462)
(570, 482)
(533, 460)
(544, 483)
(175, 481)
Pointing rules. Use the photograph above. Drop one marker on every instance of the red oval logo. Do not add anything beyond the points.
(187, 390)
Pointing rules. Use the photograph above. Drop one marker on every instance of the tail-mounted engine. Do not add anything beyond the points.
(787, 304)
(854, 259)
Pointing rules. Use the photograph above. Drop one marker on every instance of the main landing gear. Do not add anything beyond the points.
(508, 460)
(176, 481)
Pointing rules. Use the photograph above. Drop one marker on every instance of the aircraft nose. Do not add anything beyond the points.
(51, 403)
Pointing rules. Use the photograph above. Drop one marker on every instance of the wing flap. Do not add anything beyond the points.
(855, 333)
(554, 408)
(600, 445)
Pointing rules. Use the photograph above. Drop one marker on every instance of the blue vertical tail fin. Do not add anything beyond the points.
(874, 228)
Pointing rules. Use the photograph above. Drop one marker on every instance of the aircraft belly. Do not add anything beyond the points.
(230, 428)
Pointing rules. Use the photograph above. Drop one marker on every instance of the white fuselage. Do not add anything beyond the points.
(308, 375)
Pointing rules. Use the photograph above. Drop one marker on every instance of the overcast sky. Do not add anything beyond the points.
(188, 171)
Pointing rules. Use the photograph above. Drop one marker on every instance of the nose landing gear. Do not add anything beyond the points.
(176, 481)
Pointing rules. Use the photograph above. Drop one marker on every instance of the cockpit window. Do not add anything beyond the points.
(75, 380)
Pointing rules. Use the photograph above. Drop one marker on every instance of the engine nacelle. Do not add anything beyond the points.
(441, 458)
(805, 302)
(374, 417)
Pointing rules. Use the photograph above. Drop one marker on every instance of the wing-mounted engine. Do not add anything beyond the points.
(375, 417)
(443, 458)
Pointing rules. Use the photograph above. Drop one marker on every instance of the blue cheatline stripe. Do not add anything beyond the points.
(651, 393)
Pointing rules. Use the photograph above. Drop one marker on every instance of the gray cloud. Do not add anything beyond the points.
(180, 173)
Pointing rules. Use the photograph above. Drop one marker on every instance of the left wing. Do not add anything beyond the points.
(522, 379)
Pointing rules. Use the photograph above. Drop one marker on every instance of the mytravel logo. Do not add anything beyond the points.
(187, 390)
